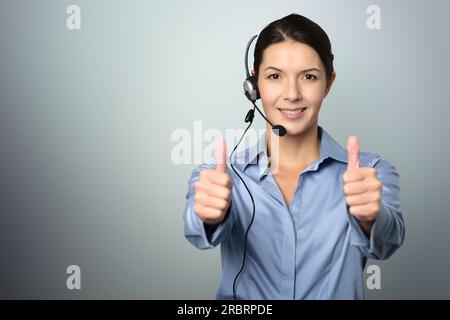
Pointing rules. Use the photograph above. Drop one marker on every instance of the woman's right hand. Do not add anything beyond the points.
(213, 189)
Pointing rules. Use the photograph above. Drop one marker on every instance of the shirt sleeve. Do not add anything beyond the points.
(196, 232)
(388, 231)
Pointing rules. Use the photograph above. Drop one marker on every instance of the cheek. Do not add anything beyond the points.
(269, 96)
(314, 98)
(314, 94)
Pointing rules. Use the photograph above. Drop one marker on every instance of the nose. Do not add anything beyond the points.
(293, 91)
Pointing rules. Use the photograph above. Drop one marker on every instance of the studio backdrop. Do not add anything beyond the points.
(96, 95)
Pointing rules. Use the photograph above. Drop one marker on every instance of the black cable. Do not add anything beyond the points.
(262, 115)
(248, 118)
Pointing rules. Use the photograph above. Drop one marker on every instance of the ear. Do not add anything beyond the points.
(330, 83)
(253, 73)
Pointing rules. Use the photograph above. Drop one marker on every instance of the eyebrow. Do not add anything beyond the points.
(310, 69)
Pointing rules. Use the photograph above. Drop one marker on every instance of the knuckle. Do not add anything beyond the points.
(377, 197)
(218, 179)
(201, 194)
(221, 205)
(348, 199)
(375, 207)
(227, 193)
(224, 179)
(199, 210)
(345, 177)
(215, 213)
(346, 189)
(221, 181)
(378, 185)
(197, 196)
(203, 175)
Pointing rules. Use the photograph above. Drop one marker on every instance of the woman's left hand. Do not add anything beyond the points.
(362, 188)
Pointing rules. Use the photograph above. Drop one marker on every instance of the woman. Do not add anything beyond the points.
(320, 210)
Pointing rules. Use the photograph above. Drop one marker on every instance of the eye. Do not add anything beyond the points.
(310, 76)
(274, 76)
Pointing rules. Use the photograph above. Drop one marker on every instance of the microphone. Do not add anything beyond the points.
(278, 129)
(252, 93)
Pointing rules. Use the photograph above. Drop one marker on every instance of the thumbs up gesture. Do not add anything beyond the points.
(362, 188)
(213, 189)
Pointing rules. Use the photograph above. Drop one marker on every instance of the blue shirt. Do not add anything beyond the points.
(313, 249)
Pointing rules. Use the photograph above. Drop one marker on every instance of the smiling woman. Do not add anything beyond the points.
(298, 216)
(293, 66)
(292, 79)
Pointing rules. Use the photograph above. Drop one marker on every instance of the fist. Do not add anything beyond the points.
(213, 189)
(362, 188)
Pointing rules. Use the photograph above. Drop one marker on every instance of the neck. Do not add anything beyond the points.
(293, 152)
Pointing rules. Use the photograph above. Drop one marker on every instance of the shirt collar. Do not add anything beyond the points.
(257, 154)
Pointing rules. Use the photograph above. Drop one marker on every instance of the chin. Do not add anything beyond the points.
(297, 129)
(294, 132)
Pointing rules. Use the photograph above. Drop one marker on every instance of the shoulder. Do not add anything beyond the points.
(374, 160)
(386, 172)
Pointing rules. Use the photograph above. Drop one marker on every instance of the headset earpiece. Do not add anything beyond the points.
(251, 89)
(250, 84)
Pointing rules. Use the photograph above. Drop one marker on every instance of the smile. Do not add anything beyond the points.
(292, 113)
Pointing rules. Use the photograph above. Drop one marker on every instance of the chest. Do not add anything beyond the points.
(287, 182)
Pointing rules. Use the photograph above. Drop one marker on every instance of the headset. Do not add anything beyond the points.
(252, 93)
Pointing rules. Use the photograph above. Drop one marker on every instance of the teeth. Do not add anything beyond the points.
(292, 112)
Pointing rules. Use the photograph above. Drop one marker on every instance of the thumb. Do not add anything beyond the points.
(353, 152)
(221, 156)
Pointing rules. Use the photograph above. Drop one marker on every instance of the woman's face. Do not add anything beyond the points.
(292, 84)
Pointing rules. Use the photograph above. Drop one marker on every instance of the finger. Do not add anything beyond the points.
(362, 199)
(221, 156)
(353, 152)
(355, 188)
(210, 202)
(206, 213)
(359, 174)
(218, 178)
(363, 212)
(213, 190)
(359, 187)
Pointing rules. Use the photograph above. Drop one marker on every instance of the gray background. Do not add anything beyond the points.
(86, 118)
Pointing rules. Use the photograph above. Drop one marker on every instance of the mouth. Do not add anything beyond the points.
(292, 113)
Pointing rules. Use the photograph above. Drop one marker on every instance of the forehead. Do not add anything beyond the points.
(290, 54)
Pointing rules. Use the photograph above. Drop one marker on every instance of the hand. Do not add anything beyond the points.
(213, 189)
(362, 188)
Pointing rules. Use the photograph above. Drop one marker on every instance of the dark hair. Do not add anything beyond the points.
(298, 28)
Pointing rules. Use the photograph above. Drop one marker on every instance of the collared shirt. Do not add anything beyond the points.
(313, 249)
